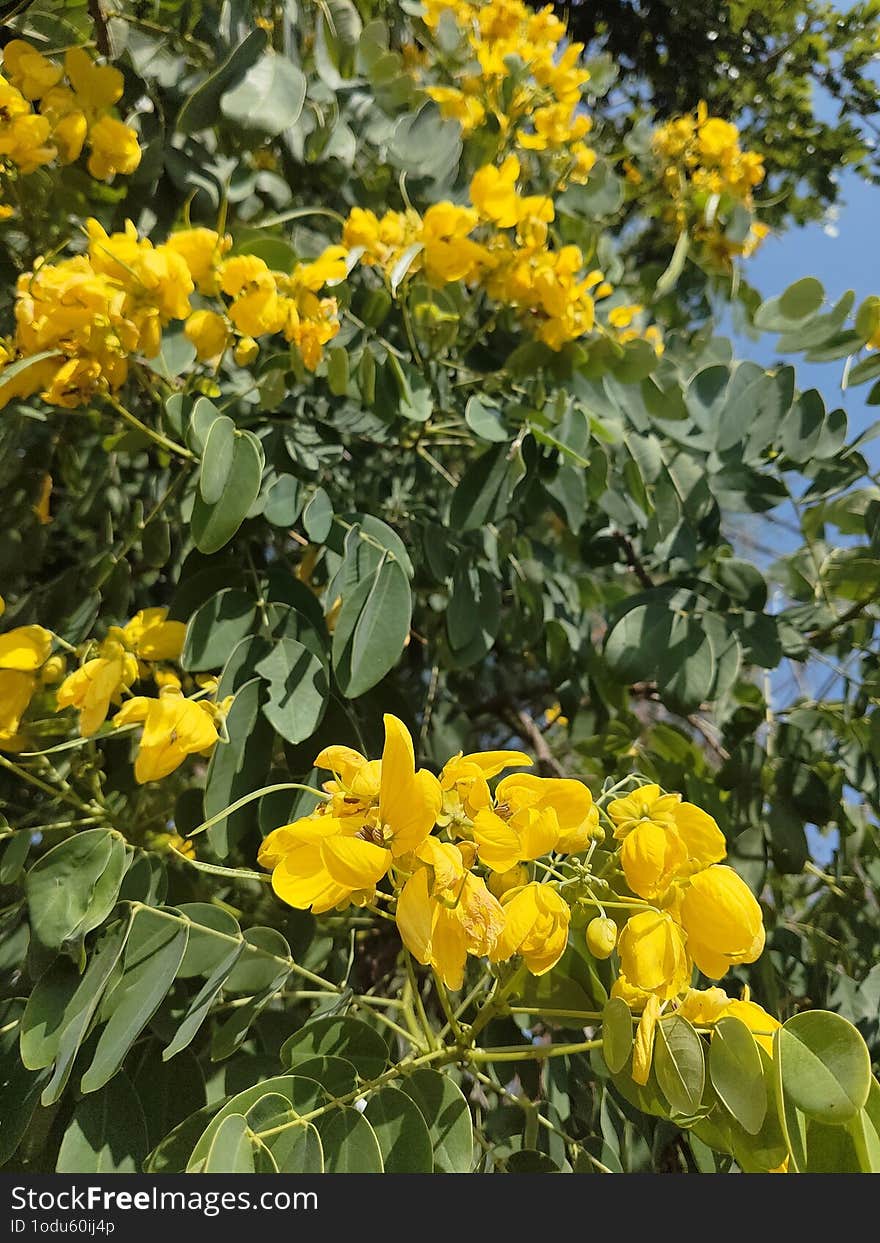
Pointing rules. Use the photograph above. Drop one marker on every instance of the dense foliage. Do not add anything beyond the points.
(366, 436)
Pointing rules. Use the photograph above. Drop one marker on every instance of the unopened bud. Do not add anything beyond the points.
(601, 936)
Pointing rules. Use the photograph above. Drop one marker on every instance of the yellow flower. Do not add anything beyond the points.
(209, 333)
(761, 1024)
(493, 192)
(652, 857)
(32, 73)
(646, 802)
(96, 684)
(457, 105)
(643, 1046)
(444, 912)
(536, 921)
(174, 728)
(500, 882)
(722, 920)
(152, 637)
(465, 781)
(652, 953)
(114, 149)
(245, 352)
(323, 862)
(532, 816)
(378, 811)
(97, 86)
(664, 839)
(201, 250)
(23, 651)
(449, 254)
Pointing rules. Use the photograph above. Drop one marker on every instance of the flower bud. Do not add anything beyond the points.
(601, 936)
(245, 351)
(53, 670)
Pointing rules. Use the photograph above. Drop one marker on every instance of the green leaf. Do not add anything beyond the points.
(269, 98)
(201, 1004)
(401, 1132)
(53, 1036)
(284, 502)
(425, 144)
(304, 1095)
(317, 516)
(617, 1034)
(802, 427)
(62, 886)
(172, 1153)
(336, 1074)
(200, 110)
(231, 1150)
(14, 857)
(19, 1087)
(338, 1036)
(153, 953)
(372, 628)
(825, 1066)
(484, 492)
(214, 629)
(349, 1143)
(651, 642)
(737, 1073)
(168, 1094)
(485, 421)
(107, 1134)
(448, 1118)
(803, 298)
(217, 459)
(238, 766)
(214, 525)
(679, 1064)
(298, 690)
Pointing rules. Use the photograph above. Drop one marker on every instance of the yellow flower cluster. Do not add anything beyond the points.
(50, 111)
(705, 173)
(174, 726)
(518, 69)
(378, 820)
(511, 257)
(82, 319)
(458, 861)
(701, 913)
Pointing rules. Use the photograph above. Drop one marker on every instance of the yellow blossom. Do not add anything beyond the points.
(209, 334)
(444, 912)
(653, 956)
(465, 781)
(722, 920)
(151, 636)
(536, 921)
(174, 728)
(95, 685)
(532, 816)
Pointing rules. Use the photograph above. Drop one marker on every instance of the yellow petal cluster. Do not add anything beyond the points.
(517, 67)
(91, 313)
(51, 111)
(705, 173)
(500, 245)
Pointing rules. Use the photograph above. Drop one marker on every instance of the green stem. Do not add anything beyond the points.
(170, 446)
(533, 1052)
(404, 1067)
(249, 798)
